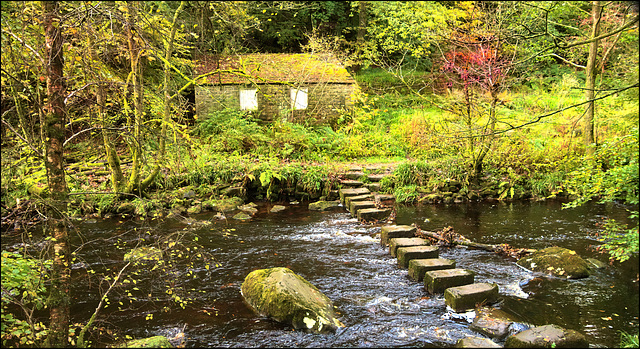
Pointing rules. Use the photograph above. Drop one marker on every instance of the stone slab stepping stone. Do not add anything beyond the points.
(351, 183)
(349, 199)
(437, 281)
(468, 297)
(547, 336)
(385, 199)
(354, 175)
(418, 267)
(395, 231)
(359, 205)
(476, 342)
(405, 242)
(352, 192)
(406, 254)
(375, 177)
(373, 186)
(355, 169)
(373, 214)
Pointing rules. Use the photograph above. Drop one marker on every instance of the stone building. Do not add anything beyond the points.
(309, 88)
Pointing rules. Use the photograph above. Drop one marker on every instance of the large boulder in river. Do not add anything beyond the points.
(281, 294)
(547, 336)
(557, 261)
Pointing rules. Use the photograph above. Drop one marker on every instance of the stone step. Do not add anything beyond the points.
(349, 199)
(418, 267)
(437, 281)
(359, 205)
(468, 297)
(352, 192)
(405, 242)
(395, 231)
(354, 175)
(406, 254)
(373, 186)
(375, 177)
(385, 199)
(351, 183)
(373, 214)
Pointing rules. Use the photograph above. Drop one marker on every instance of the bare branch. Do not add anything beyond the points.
(20, 136)
(565, 60)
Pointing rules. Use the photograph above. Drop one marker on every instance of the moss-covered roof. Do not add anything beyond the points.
(273, 68)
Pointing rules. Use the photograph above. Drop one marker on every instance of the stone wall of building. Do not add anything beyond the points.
(325, 102)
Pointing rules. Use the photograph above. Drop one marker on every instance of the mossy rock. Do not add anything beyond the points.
(241, 216)
(547, 336)
(323, 205)
(284, 296)
(126, 207)
(151, 342)
(195, 209)
(145, 253)
(227, 204)
(557, 261)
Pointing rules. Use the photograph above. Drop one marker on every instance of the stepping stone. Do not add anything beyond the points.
(352, 192)
(373, 186)
(395, 231)
(405, 242)
(476, 342)
(418, 267)
(437, 281)
(355, 169)
(354, 175)
(373, 214)
(468, 297)
(359, 205)
(385, 199)
(405, 254)
(351, 183)
(375, 177)
(349, 199)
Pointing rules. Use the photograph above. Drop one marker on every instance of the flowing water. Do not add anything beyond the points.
(376, 300)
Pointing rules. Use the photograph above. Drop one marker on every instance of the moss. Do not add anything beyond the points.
(557, 261)
(289, 298)
(151, 342)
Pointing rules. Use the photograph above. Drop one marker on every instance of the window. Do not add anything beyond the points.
(249, 99)
(299, 98)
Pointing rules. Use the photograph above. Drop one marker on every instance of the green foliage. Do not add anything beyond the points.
(613, 176)
(628, 340)
(406, 193)
(618, 240)
(23, 285)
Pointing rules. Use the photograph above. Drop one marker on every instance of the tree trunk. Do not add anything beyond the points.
(591, 71)
(58, 301)
(133, 184)
(167, 101)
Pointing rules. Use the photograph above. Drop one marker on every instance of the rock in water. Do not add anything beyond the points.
(547, 336)
(556, 261)
(284, 296)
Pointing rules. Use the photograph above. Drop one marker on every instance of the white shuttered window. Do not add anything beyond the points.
(249, 99)
(299, 98)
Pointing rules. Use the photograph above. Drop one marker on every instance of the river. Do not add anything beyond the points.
(376, 300)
